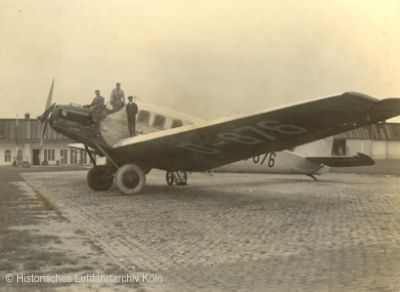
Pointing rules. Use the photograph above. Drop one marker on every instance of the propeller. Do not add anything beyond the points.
(45, 117)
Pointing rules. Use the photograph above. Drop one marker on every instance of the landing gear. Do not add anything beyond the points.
(177, 177)
(130, 179)
(312, 176)
(314, 172)
(100, 178)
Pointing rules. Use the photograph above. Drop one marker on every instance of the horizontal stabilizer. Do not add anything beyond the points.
(344, 161)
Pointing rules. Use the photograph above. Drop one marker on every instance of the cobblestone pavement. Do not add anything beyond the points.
(36, 239)
(235, 232)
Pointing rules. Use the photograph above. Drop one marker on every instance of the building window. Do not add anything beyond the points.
(49, 154)
(7, 155)
(339, 147)
(143, 117)
(12, 129)
(159, 121)
(64, 156)
(35, 134)
(176, 123)
(22, 129)
(7, 126)
(38, 130)
(74, 158)
(82, 157)
(2, 130)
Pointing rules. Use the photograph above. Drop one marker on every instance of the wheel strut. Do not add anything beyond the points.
(177, 177)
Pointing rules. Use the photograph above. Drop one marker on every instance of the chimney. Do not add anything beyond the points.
(27, 116)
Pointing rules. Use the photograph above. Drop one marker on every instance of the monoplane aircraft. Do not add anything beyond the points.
(179, 143)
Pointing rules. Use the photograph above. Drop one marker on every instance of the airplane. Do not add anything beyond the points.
(179, 143)
(282, 162)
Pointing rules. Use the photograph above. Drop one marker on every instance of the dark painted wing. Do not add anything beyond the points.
(209, 145)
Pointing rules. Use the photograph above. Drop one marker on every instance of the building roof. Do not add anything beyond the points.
(380, 131)
(26, 130)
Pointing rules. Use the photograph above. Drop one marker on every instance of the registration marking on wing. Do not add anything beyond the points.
(253, 135)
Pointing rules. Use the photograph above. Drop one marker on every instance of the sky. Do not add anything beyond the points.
(207, 58)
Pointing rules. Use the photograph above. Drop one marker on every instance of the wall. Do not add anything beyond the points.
(375, 149)
(3, 147)
(27, 153)
(355, 146)
(379, 149)
(394, 149)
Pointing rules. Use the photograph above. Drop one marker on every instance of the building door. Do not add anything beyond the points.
(35, 157)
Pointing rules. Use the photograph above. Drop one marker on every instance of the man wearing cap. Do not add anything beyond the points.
(131, 111)
(117, 98)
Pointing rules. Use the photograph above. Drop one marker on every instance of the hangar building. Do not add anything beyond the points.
(380, 141)
(20, 141)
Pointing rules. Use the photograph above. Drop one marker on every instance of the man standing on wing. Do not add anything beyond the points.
(97, 107)
(117, 98)
(131, 111)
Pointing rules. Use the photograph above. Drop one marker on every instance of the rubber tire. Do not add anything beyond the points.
(120, 179)
(95, 180)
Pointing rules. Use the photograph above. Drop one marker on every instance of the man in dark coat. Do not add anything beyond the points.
(97, 107)
(131, 111)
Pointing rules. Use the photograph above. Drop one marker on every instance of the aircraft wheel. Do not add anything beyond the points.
(130, 179)
(99, 178)
(169, 176)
